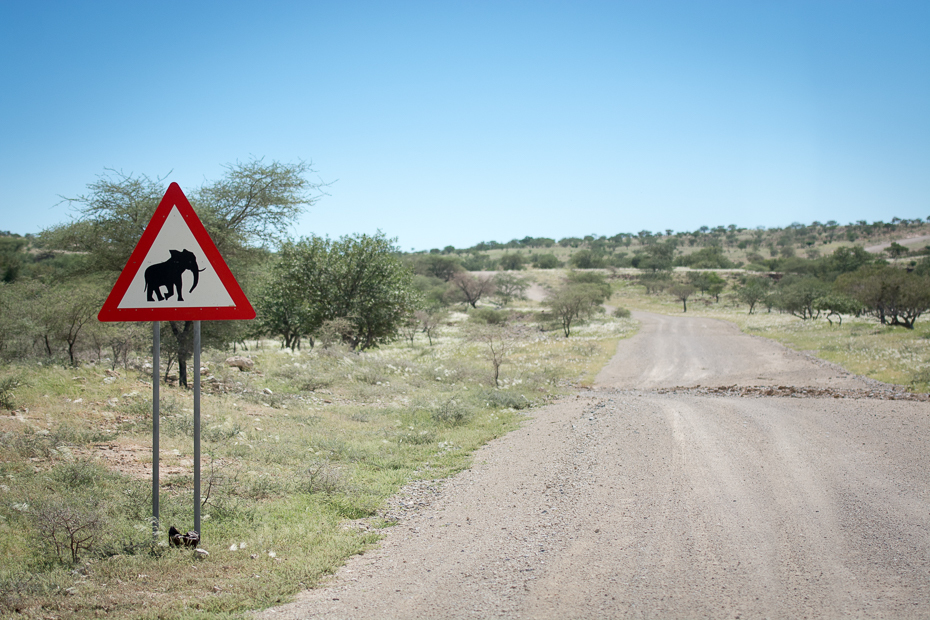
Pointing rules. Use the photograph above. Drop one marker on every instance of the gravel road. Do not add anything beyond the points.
(677, 488)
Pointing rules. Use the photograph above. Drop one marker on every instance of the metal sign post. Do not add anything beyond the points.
(197, 426)
(151, 288)
(156, 364)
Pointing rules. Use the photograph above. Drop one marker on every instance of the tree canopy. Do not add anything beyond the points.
(252, 206)
(890, 294)
(573, 302)
(357, 279)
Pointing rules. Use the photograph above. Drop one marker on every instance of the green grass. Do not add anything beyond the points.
(299, 456)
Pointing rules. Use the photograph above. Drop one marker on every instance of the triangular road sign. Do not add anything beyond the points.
(176, 273)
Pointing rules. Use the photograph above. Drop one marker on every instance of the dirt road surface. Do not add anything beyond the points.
(639, 500)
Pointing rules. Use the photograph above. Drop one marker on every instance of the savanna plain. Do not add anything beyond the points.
(314, 456)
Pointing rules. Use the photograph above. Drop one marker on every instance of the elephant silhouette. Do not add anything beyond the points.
(168, 274)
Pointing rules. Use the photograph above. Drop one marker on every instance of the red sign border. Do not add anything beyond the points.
(174, 197)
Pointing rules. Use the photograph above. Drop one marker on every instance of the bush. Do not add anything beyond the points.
(322, 477)
(67, 528)
(594, 278)
(586, 259)
(7, 387)
(488, 316)
(622, 313)
(503, 399)
(451, 412)
(546, 261)
(511, 262)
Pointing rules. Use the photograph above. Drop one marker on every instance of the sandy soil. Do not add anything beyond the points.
(910, 242)
(634, 500)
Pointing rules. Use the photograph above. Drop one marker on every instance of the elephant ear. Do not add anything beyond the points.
(175, 254)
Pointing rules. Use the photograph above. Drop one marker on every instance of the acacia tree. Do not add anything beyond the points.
(430, 322)
(249, 208)
(57, 316)
(754, 291)
(835, 306)
(896, 250)
(509, 287)
(572, 303)
(798, 296)
(470, 288)
(892, 295)
(682, 292)
(357, 279)
(280, 307)
(497, 342)
(437, 266)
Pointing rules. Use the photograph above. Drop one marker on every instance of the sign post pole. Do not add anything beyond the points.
(151, 288)
(197, 426)
(156, 363)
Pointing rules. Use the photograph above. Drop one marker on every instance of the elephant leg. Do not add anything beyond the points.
(180, 286)
(153, 289)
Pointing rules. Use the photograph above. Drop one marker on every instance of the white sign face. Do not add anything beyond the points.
(166, 278)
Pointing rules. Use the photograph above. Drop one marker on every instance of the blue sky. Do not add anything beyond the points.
(449, 123)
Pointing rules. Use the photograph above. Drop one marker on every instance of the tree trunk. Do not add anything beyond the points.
(185, 338)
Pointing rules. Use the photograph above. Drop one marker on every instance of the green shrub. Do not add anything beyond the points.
(67, 529)
(80, 474)
(451, 412)
(503, 399)
(621, 313)
(546, 261)
(321, 477)
(488, 316)
(7, 386)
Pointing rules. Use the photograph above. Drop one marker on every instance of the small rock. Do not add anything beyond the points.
(201, 552)
(268, 392)
(242, 363)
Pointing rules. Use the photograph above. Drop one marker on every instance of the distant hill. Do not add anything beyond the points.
(717, 247)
